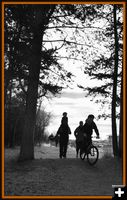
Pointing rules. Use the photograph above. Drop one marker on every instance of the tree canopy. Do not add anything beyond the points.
(37, 37)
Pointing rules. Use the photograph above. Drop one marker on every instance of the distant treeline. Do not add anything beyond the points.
(14, 122)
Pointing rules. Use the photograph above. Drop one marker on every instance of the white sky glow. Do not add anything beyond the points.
(78, 107)
(73, 101)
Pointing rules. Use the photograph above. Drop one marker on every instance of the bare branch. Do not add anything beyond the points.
(68, 58)
(53, 40)
(60, 46)
(69, 42)
(78, 27)
(42, 95)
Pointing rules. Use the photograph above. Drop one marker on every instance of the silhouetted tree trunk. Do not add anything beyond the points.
(9, 107)
(114, 94)
(27, 146)
(41, 20)
(121, 121)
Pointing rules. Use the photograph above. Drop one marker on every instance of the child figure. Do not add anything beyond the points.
(64, 118)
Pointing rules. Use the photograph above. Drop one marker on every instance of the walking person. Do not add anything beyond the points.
(63, 133)
(79, 135)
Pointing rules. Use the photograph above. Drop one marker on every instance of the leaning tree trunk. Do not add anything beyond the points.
(41, 19)
(114, 94)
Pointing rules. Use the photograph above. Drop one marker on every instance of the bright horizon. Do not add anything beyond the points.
(73, 101)
(78, 108)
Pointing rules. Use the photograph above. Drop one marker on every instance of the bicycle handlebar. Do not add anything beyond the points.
(97, 137)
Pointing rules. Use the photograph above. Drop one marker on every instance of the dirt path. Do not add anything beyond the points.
(50, 176)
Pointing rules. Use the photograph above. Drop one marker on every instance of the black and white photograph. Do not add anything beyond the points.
(63, 99)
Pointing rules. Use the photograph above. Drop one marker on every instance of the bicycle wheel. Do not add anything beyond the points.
(92, 155)
(82, 154)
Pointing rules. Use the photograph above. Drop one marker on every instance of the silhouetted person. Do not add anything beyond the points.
(56, 139)
(79, 134)
(64, 118)
(88, 127)
(63, 133)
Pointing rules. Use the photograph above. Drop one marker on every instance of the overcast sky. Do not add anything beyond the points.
(73, 101)
(78, 107)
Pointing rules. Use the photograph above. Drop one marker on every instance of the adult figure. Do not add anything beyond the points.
(88, 127)
(63, 133)
(79, 135)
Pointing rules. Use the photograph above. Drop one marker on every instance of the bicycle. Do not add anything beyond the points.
(91, 152)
